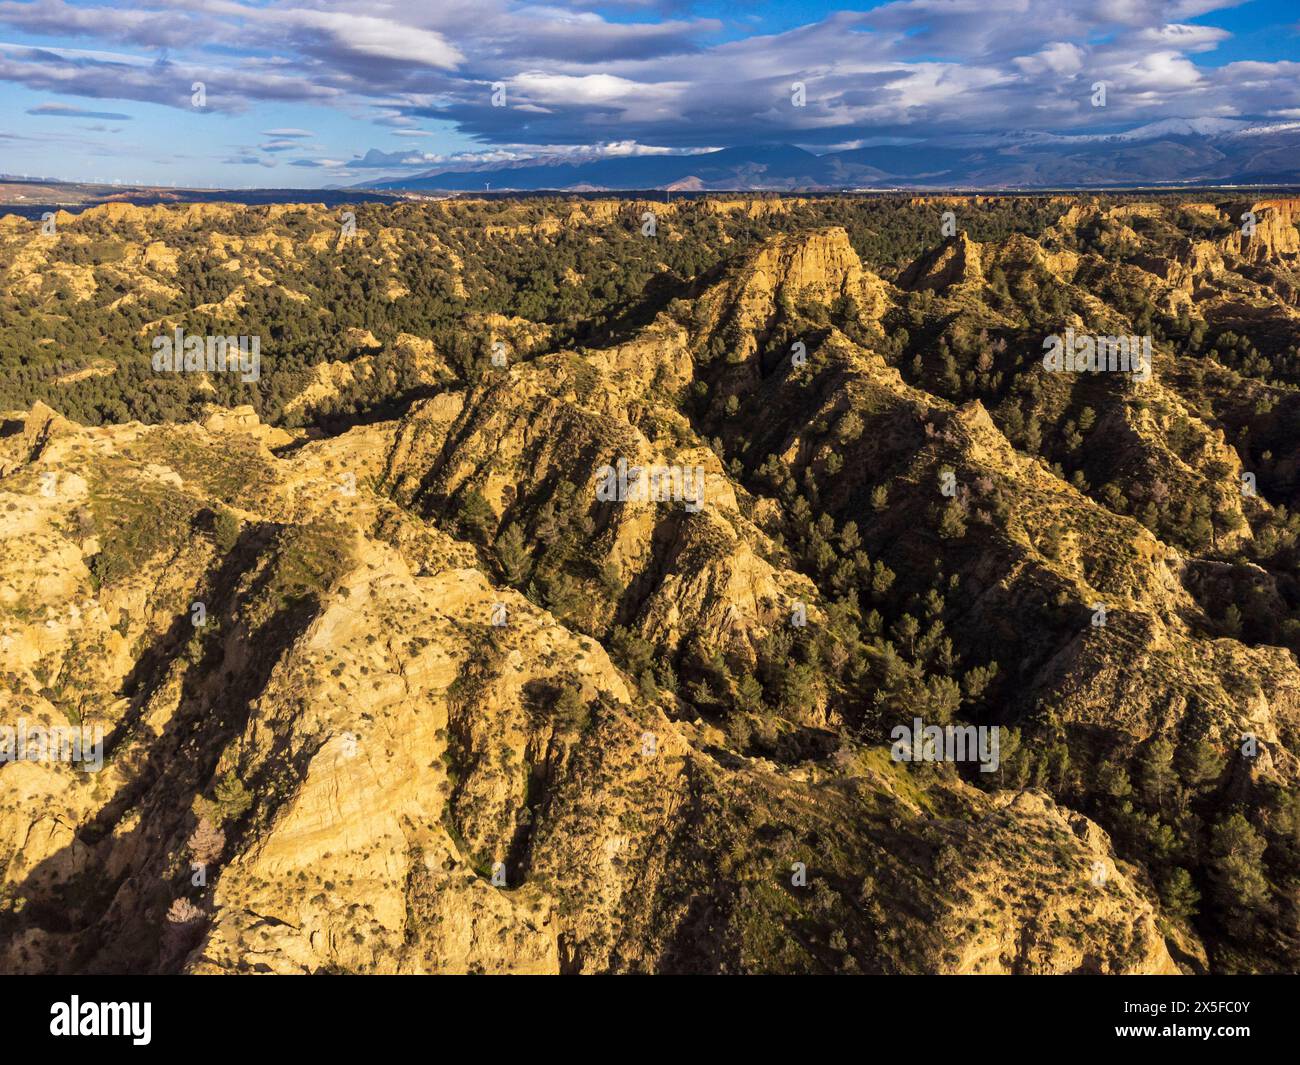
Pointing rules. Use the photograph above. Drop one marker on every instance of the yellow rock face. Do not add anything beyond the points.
(428, 749)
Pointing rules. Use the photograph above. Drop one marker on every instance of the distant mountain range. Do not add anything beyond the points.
(1174, 152)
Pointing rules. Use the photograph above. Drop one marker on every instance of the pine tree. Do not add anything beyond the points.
(1236, 866)
(570, 709)
(952, 520)
(513, 555)
(1157, 771)
(1203, 764)
(476, 515)
(849, 428)
(905, 630)
(1179, 894)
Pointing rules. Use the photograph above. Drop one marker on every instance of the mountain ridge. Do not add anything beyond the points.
(1169, 152)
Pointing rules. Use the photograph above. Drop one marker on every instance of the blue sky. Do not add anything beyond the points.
(303, 94)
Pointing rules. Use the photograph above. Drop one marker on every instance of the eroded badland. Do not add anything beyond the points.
(386, 685)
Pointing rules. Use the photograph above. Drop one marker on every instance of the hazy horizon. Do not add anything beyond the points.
(239, 95)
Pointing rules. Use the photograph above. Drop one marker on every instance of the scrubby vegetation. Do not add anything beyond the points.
(927, 523)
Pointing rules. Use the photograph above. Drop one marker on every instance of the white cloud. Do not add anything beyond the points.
(371, 36)
(581, 81)
(1059, 57)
